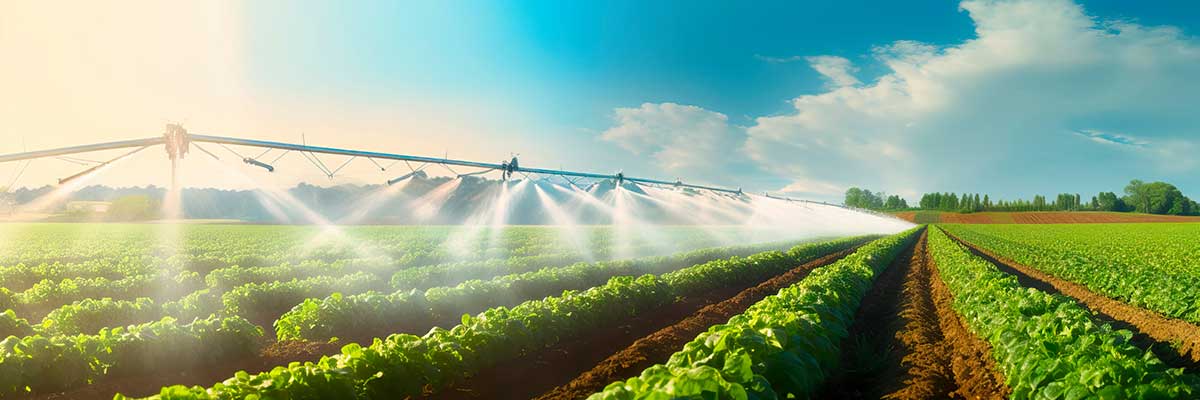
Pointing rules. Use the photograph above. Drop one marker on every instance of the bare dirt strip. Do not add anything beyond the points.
(971, 363)
(582, 366)
(1174, 341)
(926, 353)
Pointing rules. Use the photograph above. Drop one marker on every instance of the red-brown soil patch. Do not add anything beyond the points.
(577, 368)
(1174, 341)
(1063, 217)
(972, 218)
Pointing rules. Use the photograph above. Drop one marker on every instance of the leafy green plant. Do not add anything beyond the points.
(1046, 345)
(1154, 266)
(373, 312)
(12, 325)
(782, 347)
(91, 315)
(53, 363)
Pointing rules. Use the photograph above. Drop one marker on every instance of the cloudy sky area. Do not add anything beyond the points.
(1011, 98)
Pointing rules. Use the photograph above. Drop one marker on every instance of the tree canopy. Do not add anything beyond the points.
(1143, 197)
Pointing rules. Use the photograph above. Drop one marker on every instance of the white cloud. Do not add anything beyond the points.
(836, 69)
(812, 187)
(779, 60)
(984, 114)
(680, 138)
(944, 115)
(1110, 138)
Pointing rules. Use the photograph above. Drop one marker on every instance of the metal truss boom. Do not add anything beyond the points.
(178, 139)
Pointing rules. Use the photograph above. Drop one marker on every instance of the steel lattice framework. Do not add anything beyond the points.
(177, 142)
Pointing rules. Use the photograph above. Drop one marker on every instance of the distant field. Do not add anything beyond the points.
(1037, 217)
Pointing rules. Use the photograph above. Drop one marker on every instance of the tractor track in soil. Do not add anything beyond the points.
(1175, 342)
(581, 366)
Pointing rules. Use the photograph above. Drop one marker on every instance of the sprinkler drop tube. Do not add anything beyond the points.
(257, 163)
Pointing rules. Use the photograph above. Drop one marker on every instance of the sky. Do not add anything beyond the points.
(1009, 98)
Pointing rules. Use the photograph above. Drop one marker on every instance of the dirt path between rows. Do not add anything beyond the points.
(1175, 342)
(974, 371)
(872, 351)
(577, 368)
(928, 373)
(907, 342)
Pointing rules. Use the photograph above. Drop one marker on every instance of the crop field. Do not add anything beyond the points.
(598, 200)
(245, 311)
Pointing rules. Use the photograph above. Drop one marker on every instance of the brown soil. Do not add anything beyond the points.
(272, 354)
(579, 367)
(1174, 341)
(926, 352)
(871, 353)
(970, 358)
(1049, 217)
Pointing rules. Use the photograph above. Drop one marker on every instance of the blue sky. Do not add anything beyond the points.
(1011, 98)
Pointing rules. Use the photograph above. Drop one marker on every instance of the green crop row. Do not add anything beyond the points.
(12, 325)
(273, 298)
(407, 365)
(1153, 266)
(377, 313)
(41, 364)
(86, 316)
(430, 276)
(91, 315)
(21, 276)
(781, 347)
(269, 299)
(1047, 346)
(48, 295)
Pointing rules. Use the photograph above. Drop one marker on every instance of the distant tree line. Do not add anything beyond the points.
(1139, 196)
(862, 198)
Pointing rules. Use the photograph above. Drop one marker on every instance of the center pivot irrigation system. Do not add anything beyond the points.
(177, 141)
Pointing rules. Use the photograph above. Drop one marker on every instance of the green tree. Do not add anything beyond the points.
(1157, 198)
(1108, 201)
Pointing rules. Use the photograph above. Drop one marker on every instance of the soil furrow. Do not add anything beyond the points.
(1175, 342)
(926, 354)
(975, 372)
(871, 353)
(580, 367)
